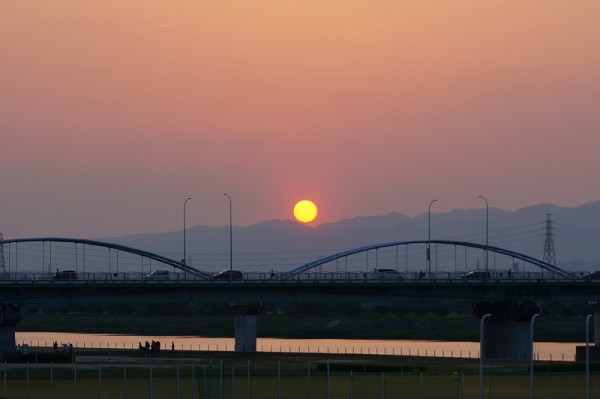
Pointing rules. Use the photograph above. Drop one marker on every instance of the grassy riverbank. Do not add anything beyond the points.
(430, 327)
(128, 373)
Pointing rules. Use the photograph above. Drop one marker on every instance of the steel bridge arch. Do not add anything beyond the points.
(502, 251)
(118, 247)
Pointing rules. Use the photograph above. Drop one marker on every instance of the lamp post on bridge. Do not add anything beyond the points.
(230, 241)
(429, 238)
(487, 228)
(184, 252)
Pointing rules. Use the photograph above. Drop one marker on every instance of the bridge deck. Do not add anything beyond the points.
(267, 287)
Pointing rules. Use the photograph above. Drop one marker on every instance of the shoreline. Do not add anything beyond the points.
(558, 351)
(460, 329)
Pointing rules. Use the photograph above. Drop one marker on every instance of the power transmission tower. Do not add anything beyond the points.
(549, 256)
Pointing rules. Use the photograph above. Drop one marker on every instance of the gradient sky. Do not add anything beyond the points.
(113, 112)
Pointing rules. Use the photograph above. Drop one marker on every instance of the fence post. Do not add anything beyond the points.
(351, 384)
(278, 380)
(204, 384)
(27, 383)
(5, 379)
(99, 381)
(327, 380)
(74, 381)
(383, 385)
(308, 380)
(194, 379)
(177, 388)
(125, 381)
(249, 396)
(233, 382)
(150, 387)
(221, 379)
(51, 379)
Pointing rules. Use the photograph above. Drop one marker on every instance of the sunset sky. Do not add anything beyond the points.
(113, 112)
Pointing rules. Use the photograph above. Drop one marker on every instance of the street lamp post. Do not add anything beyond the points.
(587, 356)
(487, 229)
(531, 358)
(230, 241)
(481, 342)
(184, 252)
(429, 238)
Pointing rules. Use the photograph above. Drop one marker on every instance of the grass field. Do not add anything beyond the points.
(127, 374)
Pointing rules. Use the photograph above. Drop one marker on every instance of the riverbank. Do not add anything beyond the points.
(428, 327)
(67, 341)
(118, 373)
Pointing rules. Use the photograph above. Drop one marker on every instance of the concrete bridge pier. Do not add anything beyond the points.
(10, 315)
(596, 327)
(596, 309)
(245, 326)
(594, 347)
(507, 334)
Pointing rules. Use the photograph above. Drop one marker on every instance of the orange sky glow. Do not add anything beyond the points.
(112, 112)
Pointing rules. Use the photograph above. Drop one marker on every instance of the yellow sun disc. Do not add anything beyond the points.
(305, 211)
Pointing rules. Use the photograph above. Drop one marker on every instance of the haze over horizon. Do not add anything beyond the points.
(112, 113)
(316, 225)
(284, 244)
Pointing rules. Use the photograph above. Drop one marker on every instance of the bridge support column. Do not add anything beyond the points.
(507, 334)
(245, 327)
(596, 309)
(594, 347)
(10, 315)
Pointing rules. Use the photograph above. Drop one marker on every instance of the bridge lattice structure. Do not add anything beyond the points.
(453, 258)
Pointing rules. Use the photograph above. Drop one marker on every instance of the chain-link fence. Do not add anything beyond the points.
(118, 377)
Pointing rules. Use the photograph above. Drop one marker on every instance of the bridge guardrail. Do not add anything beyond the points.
(270, 278)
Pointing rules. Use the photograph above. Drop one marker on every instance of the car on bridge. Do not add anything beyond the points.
(157, 275)
(477, 275)
(591, 275)
(228, 275)
(490, 274)
(386, 274)
(65, 275)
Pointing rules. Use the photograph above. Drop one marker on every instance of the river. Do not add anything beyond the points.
(543, 350)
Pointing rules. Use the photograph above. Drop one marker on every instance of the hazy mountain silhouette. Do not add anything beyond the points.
(284, 244)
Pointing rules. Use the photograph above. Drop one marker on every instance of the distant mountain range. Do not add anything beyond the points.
(282, 245)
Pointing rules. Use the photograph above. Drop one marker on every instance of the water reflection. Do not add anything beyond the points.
(543, 350)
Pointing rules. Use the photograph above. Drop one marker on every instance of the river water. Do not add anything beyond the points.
(543, 350)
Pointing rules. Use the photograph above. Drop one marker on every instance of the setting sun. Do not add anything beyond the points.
(305, 211)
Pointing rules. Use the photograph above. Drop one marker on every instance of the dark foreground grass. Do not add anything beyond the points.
(127, 374)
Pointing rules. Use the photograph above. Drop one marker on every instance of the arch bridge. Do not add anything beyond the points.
(432, 268)
(445, 257)
(34, 257)
(448, 259)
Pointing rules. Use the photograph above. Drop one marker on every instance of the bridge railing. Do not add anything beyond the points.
(277, 277)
